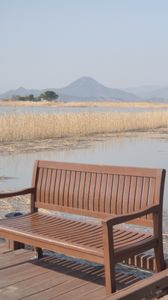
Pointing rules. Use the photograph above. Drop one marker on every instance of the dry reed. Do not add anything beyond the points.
(20, 127)
(121, 104)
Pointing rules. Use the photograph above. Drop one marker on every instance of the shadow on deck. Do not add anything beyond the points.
(22, 276)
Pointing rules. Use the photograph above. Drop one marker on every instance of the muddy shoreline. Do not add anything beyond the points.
(77, 142)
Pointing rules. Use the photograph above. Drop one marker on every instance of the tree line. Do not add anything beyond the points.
(48, 96)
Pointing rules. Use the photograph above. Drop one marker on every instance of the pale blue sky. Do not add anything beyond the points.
(50, 43)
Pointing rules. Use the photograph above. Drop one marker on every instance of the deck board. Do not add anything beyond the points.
(22, 276)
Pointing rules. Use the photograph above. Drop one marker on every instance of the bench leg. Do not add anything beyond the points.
(159, 257)
(39, 252)
(13, 245)
(109, 263)
(109, 276)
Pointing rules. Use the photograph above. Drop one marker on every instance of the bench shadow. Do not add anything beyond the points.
(84, 270)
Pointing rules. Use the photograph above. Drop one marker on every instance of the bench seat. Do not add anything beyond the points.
(62, 233)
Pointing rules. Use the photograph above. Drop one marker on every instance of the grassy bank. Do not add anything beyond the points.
(120, 104)
(20, 127)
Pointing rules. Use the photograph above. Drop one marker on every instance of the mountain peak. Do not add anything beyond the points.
(88, 89)
(85, 79)
(21, 89)
(82, 89)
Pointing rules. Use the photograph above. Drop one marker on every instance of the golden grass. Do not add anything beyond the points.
(86, 104)
(22, 127)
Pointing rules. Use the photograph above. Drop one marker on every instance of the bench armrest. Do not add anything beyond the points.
(131, 216)
(17, 193)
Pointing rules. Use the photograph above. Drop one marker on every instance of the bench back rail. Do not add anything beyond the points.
(94, 190)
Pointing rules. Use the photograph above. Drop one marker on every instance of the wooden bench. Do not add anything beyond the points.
(111, 195)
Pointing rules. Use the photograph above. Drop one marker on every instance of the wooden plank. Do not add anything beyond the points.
(74, 293)
(66, 188)
(149, 287)
(33, 285)
(38, 186)
(56, 278)
(103, 189)
(48, 186)
(52, 187)
(86, 191)
(120, 195)
(62, 187)
(71, 189)
(133, 187)
(151, 191)
(3, 246)
(93, 168)
(82, 190)
(57, 187)
(97, 192)
(20, 271)
(43, 186)
(76, 190)
(92, 192)
(145, 192)
(115, 194)
(13, 258)
(98, 293)
(138, 196)
(126, 195)
(67, 289)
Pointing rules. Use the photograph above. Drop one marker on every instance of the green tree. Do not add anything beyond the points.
(30, 97)
(26, 98)
(21, 98)
(49, 95)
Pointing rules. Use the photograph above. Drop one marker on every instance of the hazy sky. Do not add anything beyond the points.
(50, 43)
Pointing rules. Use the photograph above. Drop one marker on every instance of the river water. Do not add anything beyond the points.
(124, 151)
(58, 109)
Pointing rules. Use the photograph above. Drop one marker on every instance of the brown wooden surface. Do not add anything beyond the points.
(113, 194)
(21, 192)
(68, 235)
(54, 277)
(105, 189)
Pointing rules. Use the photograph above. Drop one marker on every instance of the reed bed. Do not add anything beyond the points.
(120, 104)
(26, 126)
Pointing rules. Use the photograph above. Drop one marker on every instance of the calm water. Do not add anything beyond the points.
(49, 109)
(119, 151)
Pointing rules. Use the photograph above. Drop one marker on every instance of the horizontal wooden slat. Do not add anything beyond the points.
(60, 233)
(78, 211)
(118, 170)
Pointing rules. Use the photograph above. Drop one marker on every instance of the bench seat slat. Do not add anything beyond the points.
(70, 231)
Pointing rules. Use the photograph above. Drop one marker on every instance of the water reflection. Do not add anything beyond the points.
(59, 109)
(126, 151)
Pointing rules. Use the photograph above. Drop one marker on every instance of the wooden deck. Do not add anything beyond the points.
(22, 276)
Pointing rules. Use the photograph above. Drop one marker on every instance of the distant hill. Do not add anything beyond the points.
(150, 92)
(21, 91)
(83, 89)
(88, 89)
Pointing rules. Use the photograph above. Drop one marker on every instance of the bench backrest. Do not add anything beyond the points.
(96, 190)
